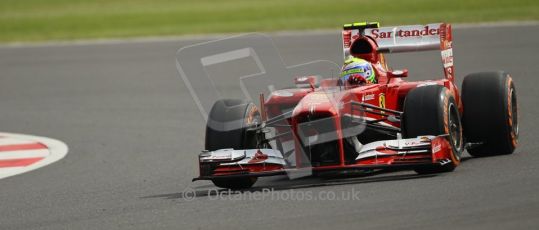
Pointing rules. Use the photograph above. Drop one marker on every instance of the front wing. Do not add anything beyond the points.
(400, 154)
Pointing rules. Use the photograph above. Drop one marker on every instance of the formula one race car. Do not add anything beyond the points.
(333, 126)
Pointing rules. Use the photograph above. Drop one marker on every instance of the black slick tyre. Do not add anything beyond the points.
(490, 116)
(227, 128)
(432, 110)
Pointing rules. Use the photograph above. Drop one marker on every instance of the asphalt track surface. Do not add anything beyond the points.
(134, 133)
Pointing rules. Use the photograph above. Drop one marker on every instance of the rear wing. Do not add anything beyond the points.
(409, 38)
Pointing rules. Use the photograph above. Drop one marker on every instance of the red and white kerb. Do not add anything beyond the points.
(22, 153)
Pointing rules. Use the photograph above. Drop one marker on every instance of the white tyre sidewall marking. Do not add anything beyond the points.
(56, 148)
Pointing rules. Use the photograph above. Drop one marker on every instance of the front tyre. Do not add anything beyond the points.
(490, 116)
(227, 126)
(432, 110)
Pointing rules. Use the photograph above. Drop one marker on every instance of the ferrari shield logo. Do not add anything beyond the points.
(382, 100)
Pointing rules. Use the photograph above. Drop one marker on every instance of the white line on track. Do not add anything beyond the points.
(9, 155)
(14, 141)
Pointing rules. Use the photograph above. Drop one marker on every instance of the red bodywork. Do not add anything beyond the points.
(389, 93)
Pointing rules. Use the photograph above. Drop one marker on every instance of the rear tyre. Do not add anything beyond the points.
(490, 113)
(432, 110)
(227, 128)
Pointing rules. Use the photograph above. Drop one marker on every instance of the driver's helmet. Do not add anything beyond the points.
(357, 71)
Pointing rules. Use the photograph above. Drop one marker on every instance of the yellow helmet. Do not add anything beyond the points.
(357, 71)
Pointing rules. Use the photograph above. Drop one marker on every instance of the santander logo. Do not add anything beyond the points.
(412, 32)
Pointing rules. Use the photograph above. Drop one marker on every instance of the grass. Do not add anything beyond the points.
(40, 20)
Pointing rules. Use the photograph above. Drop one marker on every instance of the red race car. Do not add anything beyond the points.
(367, 123)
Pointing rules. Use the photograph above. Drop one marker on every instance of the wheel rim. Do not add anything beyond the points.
(514, 112)
(455, 130)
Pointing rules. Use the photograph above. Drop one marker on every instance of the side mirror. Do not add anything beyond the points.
(398, 73)
(307, 82)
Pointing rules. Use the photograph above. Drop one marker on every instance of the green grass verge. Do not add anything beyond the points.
(39, 20)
